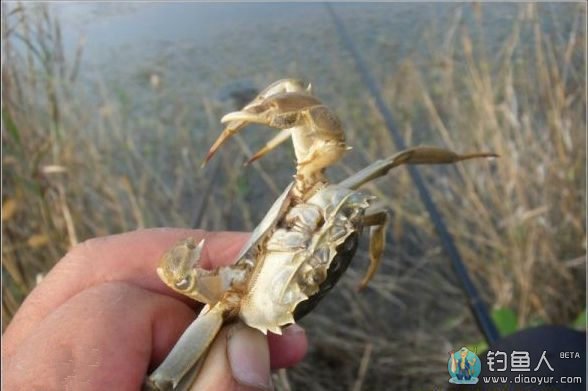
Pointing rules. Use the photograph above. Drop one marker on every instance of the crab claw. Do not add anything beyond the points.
(317, 133)
(235, 125)
(282, 111)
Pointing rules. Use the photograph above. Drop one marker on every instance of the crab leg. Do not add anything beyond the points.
(377, 220)
(230, 130)
(183, 359)
(417, 155)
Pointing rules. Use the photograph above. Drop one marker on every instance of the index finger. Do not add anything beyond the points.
(131, 257)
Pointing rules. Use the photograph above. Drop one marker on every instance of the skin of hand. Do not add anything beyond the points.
(102, 319)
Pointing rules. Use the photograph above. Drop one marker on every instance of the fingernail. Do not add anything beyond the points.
(293, 330)
(249, 357)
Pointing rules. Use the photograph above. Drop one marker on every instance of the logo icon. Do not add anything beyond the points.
(464, 367)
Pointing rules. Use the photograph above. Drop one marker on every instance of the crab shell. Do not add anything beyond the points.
(297, 254)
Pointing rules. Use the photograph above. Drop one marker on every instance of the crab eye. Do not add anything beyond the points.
(183, 284)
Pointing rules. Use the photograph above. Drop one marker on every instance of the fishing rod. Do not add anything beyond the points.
(477, 305)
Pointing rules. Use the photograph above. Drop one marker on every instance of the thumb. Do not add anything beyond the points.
(239, 358)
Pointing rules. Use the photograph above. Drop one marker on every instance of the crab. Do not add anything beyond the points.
(304, 243)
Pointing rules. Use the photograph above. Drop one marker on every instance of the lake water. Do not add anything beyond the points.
(220, 42)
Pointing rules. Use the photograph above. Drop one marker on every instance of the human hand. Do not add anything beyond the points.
(102, 319)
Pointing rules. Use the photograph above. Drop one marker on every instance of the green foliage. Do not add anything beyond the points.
(580, 322)
(478, 348)
(505, 320)
(11, 126)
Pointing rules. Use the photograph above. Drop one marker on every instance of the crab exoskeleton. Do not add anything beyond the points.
(304, 243)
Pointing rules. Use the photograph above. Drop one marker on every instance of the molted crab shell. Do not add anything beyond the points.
(304, 243)
(303, 258)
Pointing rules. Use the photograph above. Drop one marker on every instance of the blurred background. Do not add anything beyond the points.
(108, 110)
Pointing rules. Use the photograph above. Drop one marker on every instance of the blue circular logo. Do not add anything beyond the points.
(464, 367)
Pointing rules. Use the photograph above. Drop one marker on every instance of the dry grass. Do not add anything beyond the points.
(521, 225)
(80, 162)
